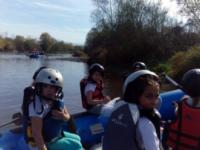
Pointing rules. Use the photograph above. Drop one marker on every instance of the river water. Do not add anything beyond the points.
(16, 73)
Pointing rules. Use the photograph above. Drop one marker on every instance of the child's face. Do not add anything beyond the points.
(96, 76)
(149, 98)
(49, 91)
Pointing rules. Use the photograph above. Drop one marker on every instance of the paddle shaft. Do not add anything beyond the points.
(8, 123)
(172, 81)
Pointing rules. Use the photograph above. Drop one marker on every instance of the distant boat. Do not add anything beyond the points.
(35, 54)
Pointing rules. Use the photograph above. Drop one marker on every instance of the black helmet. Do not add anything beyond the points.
(96, 67)
(191, 82)
(139, 65)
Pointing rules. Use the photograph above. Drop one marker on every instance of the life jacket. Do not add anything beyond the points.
(29, 96)
(122, 120)
(97, 94)
(184, 132)
(52, 128)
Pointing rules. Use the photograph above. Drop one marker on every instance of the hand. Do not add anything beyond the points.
(106, 99)
(61, 115)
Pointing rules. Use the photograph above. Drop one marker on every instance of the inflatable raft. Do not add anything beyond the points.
(90, 127)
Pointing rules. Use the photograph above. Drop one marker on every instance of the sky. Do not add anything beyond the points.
(66, 20)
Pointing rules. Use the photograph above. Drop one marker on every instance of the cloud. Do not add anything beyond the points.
(67, 20)
(52, 7)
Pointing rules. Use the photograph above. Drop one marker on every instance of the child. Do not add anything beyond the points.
(47, 114)
(29, 92)
(136, 123)
(138, 66)
(135, 67)
(92, 89)
(184, 132)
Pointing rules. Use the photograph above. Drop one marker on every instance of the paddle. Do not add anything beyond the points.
(172, 81)
(17, 120)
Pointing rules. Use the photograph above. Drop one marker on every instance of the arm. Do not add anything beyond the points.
(148, 134)
(89, 90)
(65, 116)
(93, 101)
(36, 123)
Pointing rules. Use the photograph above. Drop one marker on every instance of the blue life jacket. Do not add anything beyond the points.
(121, 130)
(52, 127)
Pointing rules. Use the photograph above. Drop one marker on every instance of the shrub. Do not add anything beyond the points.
(184, 61)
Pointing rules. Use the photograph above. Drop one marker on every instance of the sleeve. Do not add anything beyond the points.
(89, 87)
(148, 134)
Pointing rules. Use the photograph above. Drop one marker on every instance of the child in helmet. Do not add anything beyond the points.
(135, 117)
(92, 89)
(138, 66)
(135, 67)
(47, 114)
(184, 132)
(29, 93)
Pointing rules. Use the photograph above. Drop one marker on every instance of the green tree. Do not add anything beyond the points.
(46, 41)
(19, 43)
(30, 44)
(128, 30)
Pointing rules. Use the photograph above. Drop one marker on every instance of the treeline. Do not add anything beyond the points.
(46, 44)
(133, 30)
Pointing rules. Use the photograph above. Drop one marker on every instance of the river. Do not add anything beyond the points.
(16, 73)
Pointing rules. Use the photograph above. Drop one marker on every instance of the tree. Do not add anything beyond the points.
(46, 41)
(30, 44)
(19, 43)
(191, 8)
(128, 30)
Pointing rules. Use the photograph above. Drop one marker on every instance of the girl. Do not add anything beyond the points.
(47, 114)
(92, 89)
(136, 119)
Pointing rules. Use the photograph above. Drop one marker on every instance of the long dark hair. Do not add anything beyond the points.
(137, 87)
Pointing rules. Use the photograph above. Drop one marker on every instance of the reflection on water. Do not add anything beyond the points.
(16, 73)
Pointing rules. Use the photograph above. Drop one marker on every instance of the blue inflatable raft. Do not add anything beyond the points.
(90, 127)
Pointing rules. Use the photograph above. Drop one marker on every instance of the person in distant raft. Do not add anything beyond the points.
(92, 89)
(135, 124)
(46, 115)
(184, 131)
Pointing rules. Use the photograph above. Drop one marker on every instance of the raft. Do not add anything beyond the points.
(90, 127)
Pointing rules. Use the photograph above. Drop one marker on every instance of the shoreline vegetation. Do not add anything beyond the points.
(126, 32)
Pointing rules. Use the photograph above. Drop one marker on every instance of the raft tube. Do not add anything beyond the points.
(90, 127)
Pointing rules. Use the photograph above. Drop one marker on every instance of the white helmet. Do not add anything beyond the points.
(50, 76)
(135, 75)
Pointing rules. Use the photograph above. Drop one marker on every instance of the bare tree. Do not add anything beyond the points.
(191, 9)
